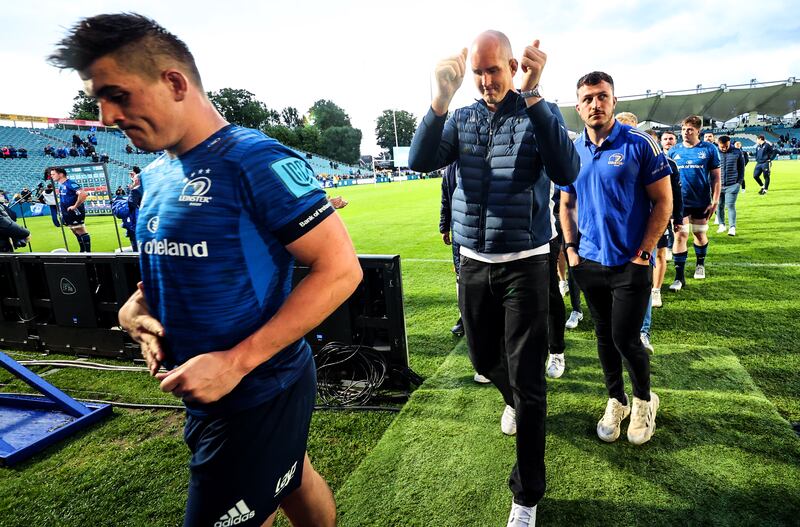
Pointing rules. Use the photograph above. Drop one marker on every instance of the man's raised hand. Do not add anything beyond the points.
(449, 76)
(533, 61)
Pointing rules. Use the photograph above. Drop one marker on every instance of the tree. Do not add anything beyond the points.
(242, 108)
(85, 107)
(291, 117)
(325, 114)
(308, 138)
(342, 143)
(282, 134)
(384, 129)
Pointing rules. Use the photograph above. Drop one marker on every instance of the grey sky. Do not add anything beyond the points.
(368, 56)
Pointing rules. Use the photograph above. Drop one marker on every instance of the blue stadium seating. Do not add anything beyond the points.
(18, 173)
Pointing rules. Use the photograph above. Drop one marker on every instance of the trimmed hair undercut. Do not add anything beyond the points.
(137, 43)
(594, 78)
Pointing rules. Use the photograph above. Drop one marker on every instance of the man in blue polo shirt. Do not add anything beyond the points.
(698, 164)
(610, 230)
(225, 212)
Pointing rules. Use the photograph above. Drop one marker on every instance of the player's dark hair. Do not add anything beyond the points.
(594, 78)
(136, 170)
(138, 44)
(724, 139)
(762, 137)
(60, 170)
(693, 121)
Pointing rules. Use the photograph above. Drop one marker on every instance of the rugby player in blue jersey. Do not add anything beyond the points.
(225, 212)
(698, 164)
(73, 212)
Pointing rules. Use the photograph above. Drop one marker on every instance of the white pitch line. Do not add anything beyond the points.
(712, 263)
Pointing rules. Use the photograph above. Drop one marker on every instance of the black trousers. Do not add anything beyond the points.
(617, 298)
(504, 307)
(556, 318)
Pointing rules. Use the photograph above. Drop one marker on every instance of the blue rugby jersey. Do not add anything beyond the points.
(212, 231)
(68, 194)
(612, 201)
(695, 165)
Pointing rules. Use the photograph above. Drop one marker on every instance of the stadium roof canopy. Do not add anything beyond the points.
(721, 103)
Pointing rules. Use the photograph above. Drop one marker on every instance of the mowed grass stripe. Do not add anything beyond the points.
(720, 452)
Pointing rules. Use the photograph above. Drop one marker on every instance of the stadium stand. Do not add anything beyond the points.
(17, 173)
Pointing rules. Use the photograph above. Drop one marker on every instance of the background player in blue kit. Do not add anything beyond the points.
(698, 164)
(229, 203)
(71, 197)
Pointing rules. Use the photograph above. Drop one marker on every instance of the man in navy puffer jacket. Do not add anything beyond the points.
(506, 144)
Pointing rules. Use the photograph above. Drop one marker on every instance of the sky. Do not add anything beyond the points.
(369, 56)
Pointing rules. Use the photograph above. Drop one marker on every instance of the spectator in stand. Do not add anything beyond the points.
(49, 150)
(128, 149)
(12, 152)
(81, 151)
(92, 139)
(104, 158)
(23, 153)
(6, 152)
(76, 140)
(73, 152)
(120, 191)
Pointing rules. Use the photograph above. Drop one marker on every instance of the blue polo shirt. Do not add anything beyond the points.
(695, 164)
(613, 206)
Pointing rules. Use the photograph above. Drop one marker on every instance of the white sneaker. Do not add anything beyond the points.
(676, 286)
(563, 287)
(732, 231)
(521, 516)
(721, 228)
(508, 423)
(555, 365)
(574, 318)
(608, 426)
(643, 420)
(480, 379)
(716, 221)
(656, 296)
(645, 338)
(700, 272)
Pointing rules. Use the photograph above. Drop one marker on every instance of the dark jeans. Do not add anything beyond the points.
(556, 318)
(617, 298)
(762, 168)
(504, 308)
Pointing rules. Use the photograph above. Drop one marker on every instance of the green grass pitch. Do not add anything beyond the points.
(725, 366)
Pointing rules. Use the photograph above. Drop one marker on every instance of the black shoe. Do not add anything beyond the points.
(762, 191)
(458, 329)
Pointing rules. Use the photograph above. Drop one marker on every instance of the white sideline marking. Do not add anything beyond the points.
(712, 263)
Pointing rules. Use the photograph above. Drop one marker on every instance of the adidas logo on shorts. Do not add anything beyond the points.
(236, 515)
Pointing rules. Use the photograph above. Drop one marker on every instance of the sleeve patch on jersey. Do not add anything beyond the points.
(304, 222)
(296, 176)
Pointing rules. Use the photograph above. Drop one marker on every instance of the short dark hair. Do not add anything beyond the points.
(594, 78)
(136, 170)
(136, 42)
(670, 132)
(59, 170)
(693, 121)
(724, 139)
(762, 137)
